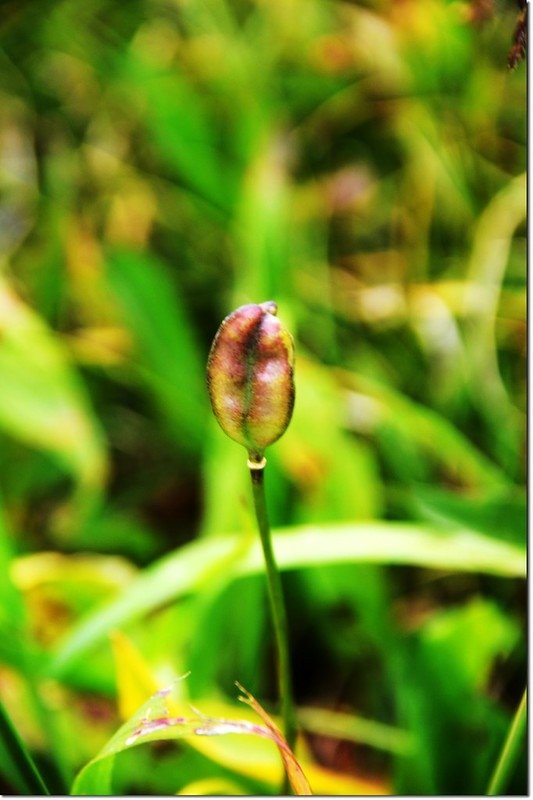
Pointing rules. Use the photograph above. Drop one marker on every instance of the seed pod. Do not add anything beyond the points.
(250, 377)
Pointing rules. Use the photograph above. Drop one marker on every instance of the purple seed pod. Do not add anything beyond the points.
(250, 377)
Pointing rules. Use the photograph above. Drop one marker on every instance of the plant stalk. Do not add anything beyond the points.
(277, 606)
(510, 750)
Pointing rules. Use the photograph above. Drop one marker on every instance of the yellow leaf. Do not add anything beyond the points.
(211, 787)
(135, 681)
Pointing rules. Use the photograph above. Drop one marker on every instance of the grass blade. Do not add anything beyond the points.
(22, 765)
(187, 569)
(353, 728)
(510, 751)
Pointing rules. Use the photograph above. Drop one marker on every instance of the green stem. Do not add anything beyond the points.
(277, 605)
(510, 750)
(21, 761)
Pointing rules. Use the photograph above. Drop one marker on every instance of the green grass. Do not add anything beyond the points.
(362, 164)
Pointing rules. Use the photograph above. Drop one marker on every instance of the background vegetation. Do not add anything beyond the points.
(361, 163)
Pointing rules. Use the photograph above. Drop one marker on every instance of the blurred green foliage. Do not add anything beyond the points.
(361, 163)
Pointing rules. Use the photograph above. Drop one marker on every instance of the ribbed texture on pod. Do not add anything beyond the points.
(250, 377)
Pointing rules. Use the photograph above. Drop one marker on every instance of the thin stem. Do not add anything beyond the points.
(21, 761)
(510, 750)
(277, 605)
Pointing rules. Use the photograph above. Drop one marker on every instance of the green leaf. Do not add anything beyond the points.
(446, 666)
(353, 728)
(188, 569)
(465, 641)
(430, 431)
(169, 362)
(215, 633)
(181, 124)
(156, 720)
(12, 608)
(42, 401)
(510, 751)
(95, 778)
(336, 473)
(193, 567)
(503, 516)
(16, 761)
(262, 221)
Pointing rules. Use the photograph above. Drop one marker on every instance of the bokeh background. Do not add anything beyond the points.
(361, 163)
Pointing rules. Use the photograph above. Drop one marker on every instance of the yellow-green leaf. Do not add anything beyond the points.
(42, 402)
